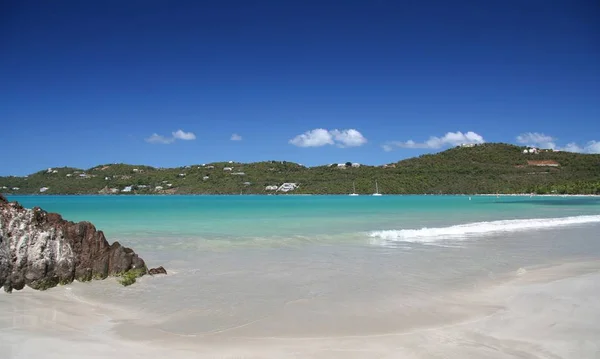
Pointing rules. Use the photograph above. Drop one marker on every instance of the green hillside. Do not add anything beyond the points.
(487, 168)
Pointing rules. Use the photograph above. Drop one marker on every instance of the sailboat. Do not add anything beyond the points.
(353, 190)
(376, 190)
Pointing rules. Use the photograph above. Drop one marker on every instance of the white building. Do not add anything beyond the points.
(43, 189)
(15, 188)
(205, 178)
(228, 169)
(531, 150)
(127, 189)
(271, 188)
(355, 165)
(182, 175)
(286, 187)
(238, 174)
(158, 188)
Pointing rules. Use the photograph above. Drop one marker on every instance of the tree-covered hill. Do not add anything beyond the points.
(487, 168)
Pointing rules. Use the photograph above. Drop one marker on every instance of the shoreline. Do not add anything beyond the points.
(296, 195)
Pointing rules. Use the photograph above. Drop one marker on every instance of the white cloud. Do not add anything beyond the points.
(348, 138)
(449, 139)
(186, 136)
(544, 141)
(322, 137)
(590, 147)
(314, 138)
(157, 139)
(387, 147)
(236, 137)
(537, 139)
(593, 147)
(572, 147)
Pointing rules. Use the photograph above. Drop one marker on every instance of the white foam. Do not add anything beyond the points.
(463, 231)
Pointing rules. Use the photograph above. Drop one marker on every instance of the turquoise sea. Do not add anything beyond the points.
(239, 218)
(275, 268)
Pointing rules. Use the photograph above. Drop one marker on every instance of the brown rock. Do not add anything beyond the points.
(158, 270)
(41, 250)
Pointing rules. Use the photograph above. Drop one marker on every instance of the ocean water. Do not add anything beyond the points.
(365, 277)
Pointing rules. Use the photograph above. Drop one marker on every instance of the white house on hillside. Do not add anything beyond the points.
(531, 150)
(286, 187)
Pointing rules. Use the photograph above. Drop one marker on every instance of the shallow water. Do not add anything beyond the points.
(255, 276)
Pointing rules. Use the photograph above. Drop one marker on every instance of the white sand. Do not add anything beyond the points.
(552, 312)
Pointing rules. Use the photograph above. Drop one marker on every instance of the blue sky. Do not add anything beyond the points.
(169, 83)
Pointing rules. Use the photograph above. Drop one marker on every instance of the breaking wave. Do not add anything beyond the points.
(462, 231)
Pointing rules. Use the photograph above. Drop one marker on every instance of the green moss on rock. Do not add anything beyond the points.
(84, 275)
(65, 281)
(99, 276)
(129, 277)
(45, 283)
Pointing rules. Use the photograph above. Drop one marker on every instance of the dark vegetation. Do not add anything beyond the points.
(487, 168)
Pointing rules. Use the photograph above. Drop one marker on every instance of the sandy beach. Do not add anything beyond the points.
(542, 313)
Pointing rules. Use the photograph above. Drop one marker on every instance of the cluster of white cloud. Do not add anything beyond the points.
(157, 139)
(322, 137)
(352, 138)
(537, 139)
(449, 139)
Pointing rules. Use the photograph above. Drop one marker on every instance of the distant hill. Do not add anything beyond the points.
(486, 168)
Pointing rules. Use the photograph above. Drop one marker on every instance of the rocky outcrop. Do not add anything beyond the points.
(41, 250)
(158, 270)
